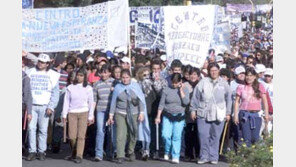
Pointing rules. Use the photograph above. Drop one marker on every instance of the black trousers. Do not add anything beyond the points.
(191, 141)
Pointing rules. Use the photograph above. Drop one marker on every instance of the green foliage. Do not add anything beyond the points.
(259, 155)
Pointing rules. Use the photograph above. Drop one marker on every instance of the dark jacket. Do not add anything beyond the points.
(26, 93)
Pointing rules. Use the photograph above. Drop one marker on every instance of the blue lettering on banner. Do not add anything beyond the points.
(60, 29)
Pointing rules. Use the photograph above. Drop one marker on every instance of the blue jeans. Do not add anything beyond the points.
(172, 135)
(250, 124)
(209, 134)
(39, 117)
(101, 126)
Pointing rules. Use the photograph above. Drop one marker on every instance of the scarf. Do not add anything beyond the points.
(143, 127)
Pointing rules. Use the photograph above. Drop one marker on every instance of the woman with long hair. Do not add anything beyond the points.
(248, 103)
(79, 109)
(128, 107)
(210, 105)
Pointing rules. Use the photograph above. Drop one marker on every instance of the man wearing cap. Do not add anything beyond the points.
(125, 63)
(220, 61)
(239, 72)
(268, 85)
(55, 123)
(260, 70)
(45, 95)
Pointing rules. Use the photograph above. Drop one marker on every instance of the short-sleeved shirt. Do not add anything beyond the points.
(248, 99)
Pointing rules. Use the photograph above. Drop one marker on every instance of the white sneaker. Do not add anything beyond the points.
(175, 161)
(202, 161)
(166, 157)
(214, 162)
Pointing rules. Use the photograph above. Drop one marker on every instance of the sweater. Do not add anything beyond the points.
(103, 94)
(172, 102)
(78, 99)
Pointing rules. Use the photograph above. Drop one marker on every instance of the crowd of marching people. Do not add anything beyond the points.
(111, 106)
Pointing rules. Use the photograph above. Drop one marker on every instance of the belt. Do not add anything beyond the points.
(252, 111)
(38, 104)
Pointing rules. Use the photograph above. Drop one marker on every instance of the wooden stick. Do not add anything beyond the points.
(25, 120)
(223, 138)
(65, 132)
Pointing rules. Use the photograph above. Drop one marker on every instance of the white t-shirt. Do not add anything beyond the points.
(42, 83)
(269, 88)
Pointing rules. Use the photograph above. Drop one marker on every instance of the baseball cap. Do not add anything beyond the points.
(269, 71)
(260, 68)
(126, 60)
(109, 54)
(239, 69)
(163, 57)
(219, 58)
(44, 58)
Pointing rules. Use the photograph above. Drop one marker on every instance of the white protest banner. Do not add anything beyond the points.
(188, 33)
(221, 37)
(70, 29)
(148, 36)
(144, 14)
(118, 23)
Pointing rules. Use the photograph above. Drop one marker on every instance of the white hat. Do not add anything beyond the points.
(126, 60)
(239, 69)
(269, 71)
(90, 59)
(260, 68)
(222, 66)
(44, 58)
(163, 57)
(219, 58)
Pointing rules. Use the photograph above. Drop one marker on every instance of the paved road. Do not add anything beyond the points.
(56, 160)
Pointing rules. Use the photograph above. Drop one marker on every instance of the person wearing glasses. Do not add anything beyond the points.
(143, 77)
(45, 93)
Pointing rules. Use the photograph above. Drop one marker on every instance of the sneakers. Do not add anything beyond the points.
(145, 155)
(214, 162)
(78, 160)
(166, 157)
(202, 161)
(175, 161)
(97, 159)
(41, 156)
(31, 157)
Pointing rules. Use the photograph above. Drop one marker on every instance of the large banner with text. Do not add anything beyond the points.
(100, 26)
(188, 33)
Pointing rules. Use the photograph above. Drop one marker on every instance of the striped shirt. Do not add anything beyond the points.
(103, 94)
(63, 78)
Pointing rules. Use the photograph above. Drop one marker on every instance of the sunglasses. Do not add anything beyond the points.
(41, 62)
(145, 75)
(267, 75)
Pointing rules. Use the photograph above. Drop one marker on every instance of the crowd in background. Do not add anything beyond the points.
(105, 99)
